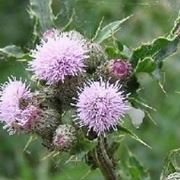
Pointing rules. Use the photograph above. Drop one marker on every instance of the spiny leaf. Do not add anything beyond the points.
(176, 29)
(83, 145)
(158, 49)
(132, 135)
(146, 65)
(98, 29)
(78, 171)
(70, 21)
(140, 102)
(50, 154)
(136, 169)
(30, 140)
(174, 176)
(130, 168)
(12, 51)
(126, 52)
(108, 30)
(150, 117)
(41, 12)
(111, 51)
(171, 163)
(169, 48)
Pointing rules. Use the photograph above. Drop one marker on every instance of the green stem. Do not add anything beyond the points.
(104, 162)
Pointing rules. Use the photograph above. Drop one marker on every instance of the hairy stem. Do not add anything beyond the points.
(104, 162)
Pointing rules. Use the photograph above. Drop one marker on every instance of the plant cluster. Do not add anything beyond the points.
(82, 91)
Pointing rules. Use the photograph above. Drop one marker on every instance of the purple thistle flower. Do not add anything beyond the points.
(59, 56)
(100, 105)
(16, 109)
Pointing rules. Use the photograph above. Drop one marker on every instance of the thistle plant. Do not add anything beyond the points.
(82, 92)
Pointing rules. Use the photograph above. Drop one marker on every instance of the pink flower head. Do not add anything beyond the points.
(16, 109)
(100, 105)
(119, 68)
(59, 56)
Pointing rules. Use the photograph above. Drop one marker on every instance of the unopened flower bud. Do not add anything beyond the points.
(64, 137)
(64, 92)
(96, 57)
(119, 69)
(46, 123)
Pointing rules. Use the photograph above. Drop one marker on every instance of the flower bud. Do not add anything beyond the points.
(46, 123)
(96, 57)
(64, 137)
(64, 92)
(119, 69)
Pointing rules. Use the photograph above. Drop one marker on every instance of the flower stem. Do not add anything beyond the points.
(104, 162)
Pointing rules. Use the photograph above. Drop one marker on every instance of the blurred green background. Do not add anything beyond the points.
(151, 18)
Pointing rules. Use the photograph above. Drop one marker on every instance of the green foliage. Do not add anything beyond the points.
(18, 70)
(127, 131)
(159, 49)
(8, 55)
(78, 171)
(118, 50)
(176, 29)
(149, 56)
(146, 65)
(24, 168)
(41, 13)
(12, 51)
(171, 163)
(107, 31)
(83, 145)
(129, 166)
